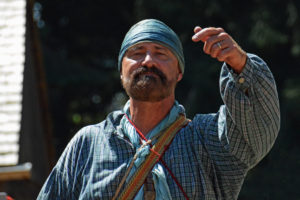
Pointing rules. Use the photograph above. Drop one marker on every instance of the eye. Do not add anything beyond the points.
(135, 54)
(162, 55)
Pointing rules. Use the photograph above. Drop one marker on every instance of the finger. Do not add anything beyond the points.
(225, 54)
(213, 40)
(205, 33)
(217, 48)
(197, 29)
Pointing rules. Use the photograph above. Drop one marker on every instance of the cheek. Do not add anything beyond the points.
(173, 70)
(128, 65)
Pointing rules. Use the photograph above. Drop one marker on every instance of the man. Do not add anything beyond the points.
(208, 158)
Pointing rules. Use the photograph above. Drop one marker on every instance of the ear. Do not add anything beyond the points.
(121, 76)
(179, 77)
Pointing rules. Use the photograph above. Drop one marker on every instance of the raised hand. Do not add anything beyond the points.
(220, 45)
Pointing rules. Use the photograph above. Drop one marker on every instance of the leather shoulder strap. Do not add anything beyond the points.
(156, 152)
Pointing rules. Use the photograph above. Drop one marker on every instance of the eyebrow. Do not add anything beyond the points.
(161, 48)
(140, 47)
(134, 48)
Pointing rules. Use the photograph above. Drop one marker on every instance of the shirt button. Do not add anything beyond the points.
(241, 80)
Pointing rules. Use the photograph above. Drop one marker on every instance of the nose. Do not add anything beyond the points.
(148, 60)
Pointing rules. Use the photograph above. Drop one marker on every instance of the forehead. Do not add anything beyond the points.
(146, 44)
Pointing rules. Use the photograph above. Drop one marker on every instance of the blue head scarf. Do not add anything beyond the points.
(152, 30)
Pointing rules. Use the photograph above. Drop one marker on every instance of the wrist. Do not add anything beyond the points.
(238, 68)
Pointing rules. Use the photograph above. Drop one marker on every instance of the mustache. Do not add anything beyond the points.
(144, 69)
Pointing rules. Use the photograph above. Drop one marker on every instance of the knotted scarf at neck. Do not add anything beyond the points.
(159, 178)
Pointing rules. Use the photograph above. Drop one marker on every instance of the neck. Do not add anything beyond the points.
(146, 115)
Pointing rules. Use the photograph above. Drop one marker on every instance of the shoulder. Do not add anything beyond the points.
(81, 145)
(198, 127)
(102, 129)
(204, 122)
(204, 128)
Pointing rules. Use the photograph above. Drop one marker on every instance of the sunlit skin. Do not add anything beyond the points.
(146, 114)
(230, 52)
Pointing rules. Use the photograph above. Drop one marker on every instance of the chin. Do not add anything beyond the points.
(149, 96)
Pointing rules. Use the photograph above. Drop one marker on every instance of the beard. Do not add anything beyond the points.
(148, 84)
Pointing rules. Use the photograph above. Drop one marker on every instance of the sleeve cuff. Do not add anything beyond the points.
(244, 79)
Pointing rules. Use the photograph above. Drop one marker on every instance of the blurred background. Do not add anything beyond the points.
(68, 77)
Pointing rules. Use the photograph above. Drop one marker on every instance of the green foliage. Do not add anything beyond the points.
(81, 41)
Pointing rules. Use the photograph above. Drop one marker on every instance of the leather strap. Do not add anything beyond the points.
(156, 152)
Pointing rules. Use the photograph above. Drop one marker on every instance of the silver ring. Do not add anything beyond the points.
(219, 45)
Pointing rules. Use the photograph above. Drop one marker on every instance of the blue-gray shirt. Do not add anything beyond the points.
(210, 157)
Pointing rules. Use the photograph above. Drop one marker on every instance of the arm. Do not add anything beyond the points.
(245, 128)
(250, 119)
(62, 183)
(53, 187)
(251, 112)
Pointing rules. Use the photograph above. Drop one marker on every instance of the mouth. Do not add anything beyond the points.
(149, 74)
(146, 74)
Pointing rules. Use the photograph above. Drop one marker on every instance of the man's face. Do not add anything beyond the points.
(149, 72)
